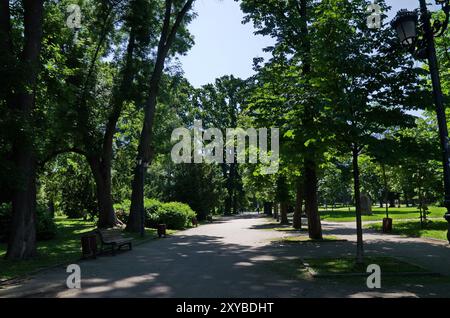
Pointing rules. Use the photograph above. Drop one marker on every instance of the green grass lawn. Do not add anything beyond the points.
(289, 229)
(306, 239)
(64, 248)
(295, 270)
(434, 229)
(348, 265)
(344, 215)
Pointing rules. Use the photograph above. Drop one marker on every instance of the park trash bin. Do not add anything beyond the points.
(162, 230)
(194, 221)
(387, 225)
(89, 245)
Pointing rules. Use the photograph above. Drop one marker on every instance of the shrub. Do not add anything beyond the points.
(45, 227)
(176, 215)
(74, 187)
(152, 208)
(122, 210)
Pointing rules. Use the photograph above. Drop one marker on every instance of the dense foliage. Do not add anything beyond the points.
(88, 114)
(45, 229)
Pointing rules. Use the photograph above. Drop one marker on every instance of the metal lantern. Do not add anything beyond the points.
(405, 23)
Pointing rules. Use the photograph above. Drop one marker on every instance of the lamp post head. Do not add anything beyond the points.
(405, 23)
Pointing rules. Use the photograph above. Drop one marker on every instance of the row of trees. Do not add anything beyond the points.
(64, 92)
(339, 91)
(87, 115)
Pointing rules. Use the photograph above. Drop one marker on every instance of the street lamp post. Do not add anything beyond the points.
(406, 25)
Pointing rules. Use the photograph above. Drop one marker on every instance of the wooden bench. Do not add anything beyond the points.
(113, 238)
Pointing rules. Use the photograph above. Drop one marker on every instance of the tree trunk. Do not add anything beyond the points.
(228, 205)
(386, 188)
(101, 171)
(284, 213)
(268, 208)
(101, 165)
(233, 177)
(297, 219)
(359, 232)
(51, 208)
(235, 204)
(145, 150)
(134, 223)
(145, 153)
(275, 212)
(22, 241)
(311, 205)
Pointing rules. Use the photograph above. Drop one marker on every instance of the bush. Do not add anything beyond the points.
(45, 227)
(152, 207)
(122, 210)
(176, 215)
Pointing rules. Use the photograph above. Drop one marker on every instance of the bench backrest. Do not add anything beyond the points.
(110, 235)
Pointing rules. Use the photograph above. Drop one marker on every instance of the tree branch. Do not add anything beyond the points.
(60, 152)
(180, 16)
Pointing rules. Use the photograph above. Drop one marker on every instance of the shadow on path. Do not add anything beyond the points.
(231, 258)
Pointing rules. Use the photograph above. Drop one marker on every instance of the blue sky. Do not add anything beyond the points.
(224, 46)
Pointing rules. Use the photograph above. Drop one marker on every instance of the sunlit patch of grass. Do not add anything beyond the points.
(306, 239)
(289, 229)
(434, 229)
(64, 248)
(296, 270)
(292, 269)
(349, 265)
(348, 215)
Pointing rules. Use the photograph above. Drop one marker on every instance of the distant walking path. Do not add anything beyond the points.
(230, 258)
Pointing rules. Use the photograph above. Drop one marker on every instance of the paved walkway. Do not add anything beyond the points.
(234, 258)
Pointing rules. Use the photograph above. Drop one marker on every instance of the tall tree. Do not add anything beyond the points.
(289, 23)
(145, 153)
(100, 154)
(369, 86)
(283, 197)
(220, 105)
(21, 102)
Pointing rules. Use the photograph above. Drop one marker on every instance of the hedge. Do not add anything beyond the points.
(175, 215)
